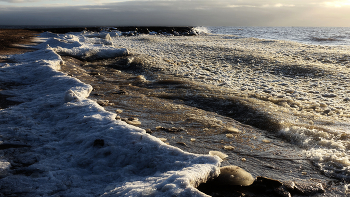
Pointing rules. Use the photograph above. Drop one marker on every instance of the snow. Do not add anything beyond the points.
(76, 148)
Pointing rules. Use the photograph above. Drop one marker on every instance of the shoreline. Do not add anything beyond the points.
(133, 79)
(10, 37)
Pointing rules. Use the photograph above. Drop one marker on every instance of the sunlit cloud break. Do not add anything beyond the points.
(240, 6)
(337, 4)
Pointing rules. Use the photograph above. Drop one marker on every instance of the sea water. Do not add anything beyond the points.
(300, 89)
(307, 35)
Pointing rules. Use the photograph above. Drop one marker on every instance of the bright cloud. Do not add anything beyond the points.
(337, 4)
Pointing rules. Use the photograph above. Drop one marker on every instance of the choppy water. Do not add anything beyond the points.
(307, 35)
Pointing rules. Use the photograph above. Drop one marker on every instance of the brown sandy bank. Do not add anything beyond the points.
(10, 37)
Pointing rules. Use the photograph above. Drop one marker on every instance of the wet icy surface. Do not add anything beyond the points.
(277, 109)
(303, 87)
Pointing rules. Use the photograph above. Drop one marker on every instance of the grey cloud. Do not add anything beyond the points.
(19, 1)
(173, 13)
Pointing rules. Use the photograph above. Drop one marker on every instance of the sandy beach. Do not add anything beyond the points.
(248, 98)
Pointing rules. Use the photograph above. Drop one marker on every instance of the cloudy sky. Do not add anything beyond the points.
(176, 12)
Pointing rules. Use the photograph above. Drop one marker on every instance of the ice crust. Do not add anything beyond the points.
(61, 126)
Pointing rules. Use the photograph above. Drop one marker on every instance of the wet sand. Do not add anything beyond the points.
(194, 124)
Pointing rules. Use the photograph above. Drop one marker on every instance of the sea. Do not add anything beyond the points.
(306, 35)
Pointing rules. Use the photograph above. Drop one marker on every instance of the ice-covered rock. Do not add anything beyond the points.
(234, 175)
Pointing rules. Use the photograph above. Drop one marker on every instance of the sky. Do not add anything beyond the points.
(314, 13)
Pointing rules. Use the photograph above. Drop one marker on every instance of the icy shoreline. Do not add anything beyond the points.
(258, 72)
(73, 147)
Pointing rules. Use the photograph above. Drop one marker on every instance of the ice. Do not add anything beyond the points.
(4, 167)
(76, 148)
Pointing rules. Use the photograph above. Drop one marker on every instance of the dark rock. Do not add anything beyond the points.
(27, 171)
(172, 130)
(177, 31)
(119, 92)
(99, 143)
(94, 73)
(181, 143)
(308, 189)
(149, 131)
(262, 187)
(282, 191)
(268, 182)
(12, 145)
(5, 103)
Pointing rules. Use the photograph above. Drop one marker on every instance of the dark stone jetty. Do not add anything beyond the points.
(126, 30)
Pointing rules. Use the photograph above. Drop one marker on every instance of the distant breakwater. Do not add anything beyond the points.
(126, 31)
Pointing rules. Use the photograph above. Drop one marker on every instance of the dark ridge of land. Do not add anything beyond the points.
(63, 30)
(158, 29)
(130, 29)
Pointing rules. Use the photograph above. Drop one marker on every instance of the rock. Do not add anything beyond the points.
(94, 73)
(323, 105)
(149, 131)
(271, 187)
(329, 95)
(172, 130)
(229, 147)
(181, 143)
(118, 111)
(132, 121)
(119, 92)
(141, 78)
(99, 143)
(234, 175)
(4, 167)
(308, 189)
(282, 191)
(267, 91)
(229, 135)
(219, 154)
(233, 130)
(103, 102)
(327, 111)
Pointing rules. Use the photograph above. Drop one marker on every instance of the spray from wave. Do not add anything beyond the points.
(201, 30)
